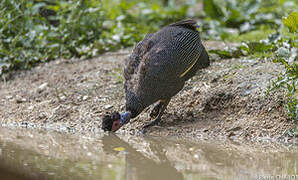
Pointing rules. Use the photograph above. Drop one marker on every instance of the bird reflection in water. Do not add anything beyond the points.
(137, 165)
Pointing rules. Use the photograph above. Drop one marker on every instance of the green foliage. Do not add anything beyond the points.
(293, 132)
(228, 52)
(255, 35)
(289, 81)
(212, 9)
(34, 31)
(27, 38)
(289, 78)
(224, 19)
(291, 21)
(233, 20)
(246, 48)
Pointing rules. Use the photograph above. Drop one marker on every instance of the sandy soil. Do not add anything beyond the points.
(226, 100)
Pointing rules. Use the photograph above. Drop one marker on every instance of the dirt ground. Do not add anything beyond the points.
(225, 101)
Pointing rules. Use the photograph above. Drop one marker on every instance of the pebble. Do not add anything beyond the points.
(234, 129)
(9, 97)
(62, 98)
(205, 130)
(42, 116)
(42, 87)
(85, 98)
(19, 99)
(108, 106)
(231, 134)
(56, 108)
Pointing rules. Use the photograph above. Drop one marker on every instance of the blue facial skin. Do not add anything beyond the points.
(124, 118)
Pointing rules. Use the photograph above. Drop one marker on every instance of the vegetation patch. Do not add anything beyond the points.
(264, 33)
(34, 31)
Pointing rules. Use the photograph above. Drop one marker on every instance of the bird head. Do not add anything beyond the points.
(114, 121)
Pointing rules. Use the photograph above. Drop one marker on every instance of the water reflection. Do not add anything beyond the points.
(138, 166)
(28, 154)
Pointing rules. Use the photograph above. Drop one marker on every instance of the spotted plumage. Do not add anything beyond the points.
(160, 64)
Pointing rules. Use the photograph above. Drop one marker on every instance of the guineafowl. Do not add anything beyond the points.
(157, 70)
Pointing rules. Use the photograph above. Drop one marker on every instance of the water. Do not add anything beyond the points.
(28, 154)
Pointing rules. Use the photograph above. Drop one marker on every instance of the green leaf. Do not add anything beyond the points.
(291, 21)
(259, 47)
(227, 53)
(212, 9)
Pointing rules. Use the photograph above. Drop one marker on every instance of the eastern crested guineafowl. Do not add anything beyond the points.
(157, 69)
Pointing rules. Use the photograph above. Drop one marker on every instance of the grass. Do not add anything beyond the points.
(255, 35)
(38, 31)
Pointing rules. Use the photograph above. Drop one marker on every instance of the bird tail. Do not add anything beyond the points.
(187, 23)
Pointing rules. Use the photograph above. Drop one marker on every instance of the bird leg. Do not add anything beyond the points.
(154, 112)
(163, 107)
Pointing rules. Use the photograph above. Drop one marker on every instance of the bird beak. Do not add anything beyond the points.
(124, 118)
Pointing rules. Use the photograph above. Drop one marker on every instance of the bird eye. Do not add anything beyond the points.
(117, 124)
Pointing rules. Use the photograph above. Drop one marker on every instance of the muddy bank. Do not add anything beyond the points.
(226, 100)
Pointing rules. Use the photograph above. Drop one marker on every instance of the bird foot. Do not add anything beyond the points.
(155, 111)
(152, 123)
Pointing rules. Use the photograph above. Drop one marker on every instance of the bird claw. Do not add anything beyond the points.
(152, 123)
(142, 132)
(155, 111)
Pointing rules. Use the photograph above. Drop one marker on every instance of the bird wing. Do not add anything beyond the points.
(189, 44)
(161, 60)
(132, 62)
(174, 56)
